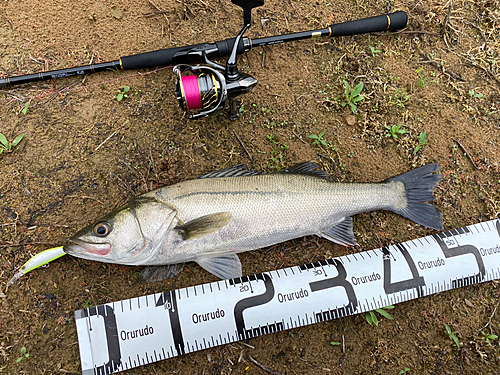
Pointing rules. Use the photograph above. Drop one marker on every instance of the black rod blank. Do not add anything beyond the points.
(193, 53)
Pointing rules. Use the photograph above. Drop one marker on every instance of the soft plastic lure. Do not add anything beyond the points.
(38, 260)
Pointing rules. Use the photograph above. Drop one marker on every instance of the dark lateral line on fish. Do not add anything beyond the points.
(245, 192)
(228, 193)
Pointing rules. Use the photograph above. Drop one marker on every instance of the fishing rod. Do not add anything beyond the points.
(207, 87)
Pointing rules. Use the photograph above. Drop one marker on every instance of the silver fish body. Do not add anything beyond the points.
(210, 219)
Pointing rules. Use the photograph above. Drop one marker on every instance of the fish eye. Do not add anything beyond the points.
(102, 229)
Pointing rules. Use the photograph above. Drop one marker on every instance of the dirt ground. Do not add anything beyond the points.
(85, 153)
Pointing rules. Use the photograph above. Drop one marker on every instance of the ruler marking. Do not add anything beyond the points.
(449, 244)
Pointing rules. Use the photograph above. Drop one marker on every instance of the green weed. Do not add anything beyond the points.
(335, 343)
(374, 51)
(24, 354)
(353, 96)
(371, 318)
(7, 146)
(473, 94)
(451, 335)
(123, 93)
(404, 371)
(395, 130)
(87, 304)
(422, 141)
(318, 139)
(489, 337)
(26, 108)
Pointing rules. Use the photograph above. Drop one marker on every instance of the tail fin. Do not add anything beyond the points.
(419, 184)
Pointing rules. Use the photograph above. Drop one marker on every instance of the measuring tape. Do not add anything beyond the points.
(121, 335)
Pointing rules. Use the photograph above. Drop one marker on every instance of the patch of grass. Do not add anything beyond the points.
(7, 146)
(395, 130)
(422, 79)
(452, 335)
(123, 93)
(24, 354)
(400, 98)
(422, 141)
(277, 153)
(353, 96)
(371, 318)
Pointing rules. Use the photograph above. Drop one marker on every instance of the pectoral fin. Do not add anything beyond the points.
(203, 225)
(341, 233)
(223, 266)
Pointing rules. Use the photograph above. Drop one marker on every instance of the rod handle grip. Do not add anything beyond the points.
(386, 22)
(179, 55)
(162, 57)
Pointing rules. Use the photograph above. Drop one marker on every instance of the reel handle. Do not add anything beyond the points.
(386, 22)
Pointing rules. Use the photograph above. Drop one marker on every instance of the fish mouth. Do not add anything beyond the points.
(78, 247)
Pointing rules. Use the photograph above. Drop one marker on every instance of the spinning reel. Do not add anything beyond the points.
(207, 89)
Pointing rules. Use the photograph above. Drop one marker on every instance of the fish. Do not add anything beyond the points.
(212, 218)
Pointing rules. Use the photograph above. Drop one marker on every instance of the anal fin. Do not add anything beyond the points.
(341, 233)
(225, 266)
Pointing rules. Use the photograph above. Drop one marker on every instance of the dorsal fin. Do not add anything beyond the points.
(308, 168)
(234, 171)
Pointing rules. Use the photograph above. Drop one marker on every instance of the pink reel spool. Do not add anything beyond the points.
(191, 91)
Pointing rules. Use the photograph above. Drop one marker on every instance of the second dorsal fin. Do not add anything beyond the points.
(234, 171)
(308, 168)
